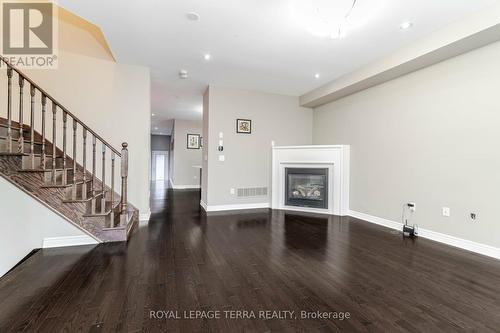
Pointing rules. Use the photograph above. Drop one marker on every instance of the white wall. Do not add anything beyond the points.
(183, 174)
(112, 99)
(25, 223)
(431, 137)
(247, 162)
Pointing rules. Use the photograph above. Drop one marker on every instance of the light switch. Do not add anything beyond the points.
(221, 142)
(222, 158)
(232, 191)
(221, 135)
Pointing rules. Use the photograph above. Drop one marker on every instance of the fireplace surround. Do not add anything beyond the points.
(327, 192)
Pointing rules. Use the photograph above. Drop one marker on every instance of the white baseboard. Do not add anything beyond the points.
(68, 241)
(185, 187)
(464, 244)
(144, 217)
(377, 220)
(182, 187)
(221, 208)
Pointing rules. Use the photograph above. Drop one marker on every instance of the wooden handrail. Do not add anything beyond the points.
(46, 94)
(55, 178)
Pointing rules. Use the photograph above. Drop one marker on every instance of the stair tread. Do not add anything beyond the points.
(68, 184)
(107, 226)
(107, 212)
(45, 170)
(13, 154)
(36, 142)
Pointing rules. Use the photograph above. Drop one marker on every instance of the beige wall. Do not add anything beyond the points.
(430, 137)
(247, 162)
(79, 36)
(111, 98)
(182, 171)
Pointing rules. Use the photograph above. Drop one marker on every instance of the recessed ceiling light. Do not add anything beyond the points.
(192, 16)
(317, 75)
(207, 57)
(152, 114)
(406, 25)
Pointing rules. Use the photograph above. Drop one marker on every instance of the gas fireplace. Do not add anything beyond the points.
(306, 187)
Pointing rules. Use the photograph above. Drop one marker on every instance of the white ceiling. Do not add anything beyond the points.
(260, 45)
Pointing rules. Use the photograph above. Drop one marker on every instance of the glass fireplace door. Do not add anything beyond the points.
(306, 187)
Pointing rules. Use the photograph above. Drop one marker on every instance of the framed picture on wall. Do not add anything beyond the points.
(244, 126)
(193, 141)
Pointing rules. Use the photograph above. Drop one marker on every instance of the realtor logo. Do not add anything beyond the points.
(29, 33)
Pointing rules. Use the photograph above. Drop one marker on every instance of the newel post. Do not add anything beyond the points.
(124, 174)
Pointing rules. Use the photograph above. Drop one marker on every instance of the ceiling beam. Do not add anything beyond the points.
(472, 32)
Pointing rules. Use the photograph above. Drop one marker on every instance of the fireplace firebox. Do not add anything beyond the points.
(306, 187)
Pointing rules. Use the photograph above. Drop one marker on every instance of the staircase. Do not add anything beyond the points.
(50, 154)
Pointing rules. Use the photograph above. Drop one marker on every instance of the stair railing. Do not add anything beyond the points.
(44, 98)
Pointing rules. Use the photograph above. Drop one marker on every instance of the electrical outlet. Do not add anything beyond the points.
(232, 191)
(473, 217)
(412, 206)
(446, 211)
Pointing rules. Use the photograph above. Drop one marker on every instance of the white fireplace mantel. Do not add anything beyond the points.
(335, 158)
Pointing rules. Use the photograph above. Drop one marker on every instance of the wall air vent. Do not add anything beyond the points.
(252, 192)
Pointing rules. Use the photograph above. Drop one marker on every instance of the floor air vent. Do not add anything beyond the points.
(252, 192)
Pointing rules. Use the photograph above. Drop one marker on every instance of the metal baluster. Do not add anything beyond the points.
(75, 126)
(65, 121)
(54, 138)
(84, 186)
(9, 110)
(20, 141)
(44, 109)
(32, 126)
(124, 174)
(103, 181)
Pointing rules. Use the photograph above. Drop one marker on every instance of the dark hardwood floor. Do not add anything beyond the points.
(252, 261)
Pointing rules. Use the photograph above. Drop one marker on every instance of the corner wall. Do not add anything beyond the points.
(430, 137)
(184, 165)
(113, 99)
(26, 224)
(247, 162)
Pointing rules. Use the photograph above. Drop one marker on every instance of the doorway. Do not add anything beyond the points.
(159, 166)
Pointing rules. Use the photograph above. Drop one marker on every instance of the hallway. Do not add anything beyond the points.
(252, 261)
